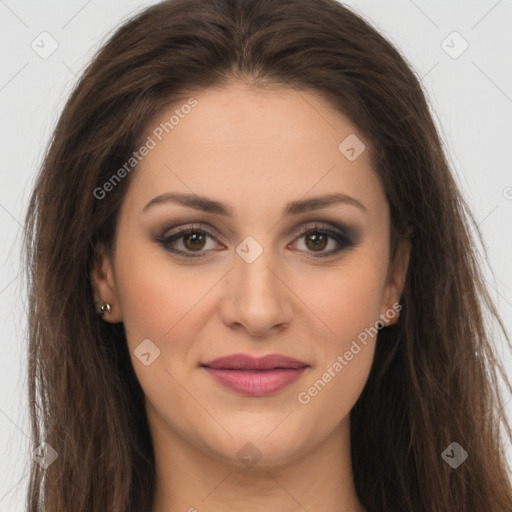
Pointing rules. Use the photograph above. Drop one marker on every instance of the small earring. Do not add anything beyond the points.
(104, 308)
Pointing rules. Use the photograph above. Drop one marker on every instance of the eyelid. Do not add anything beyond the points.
(340, 228)
(193, 226)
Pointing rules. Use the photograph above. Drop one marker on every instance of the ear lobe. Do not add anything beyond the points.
(104, 287)
(395, 282)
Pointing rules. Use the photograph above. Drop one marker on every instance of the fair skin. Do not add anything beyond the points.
(253, 151)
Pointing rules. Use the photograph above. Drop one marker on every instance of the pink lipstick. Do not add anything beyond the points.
(253, 376)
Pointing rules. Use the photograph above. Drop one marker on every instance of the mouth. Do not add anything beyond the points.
(252, 376)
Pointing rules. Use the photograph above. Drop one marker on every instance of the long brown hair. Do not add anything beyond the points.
(435, 377)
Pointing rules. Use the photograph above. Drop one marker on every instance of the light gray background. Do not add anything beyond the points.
(471, 98)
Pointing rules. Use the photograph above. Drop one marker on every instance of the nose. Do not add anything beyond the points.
(257, 298)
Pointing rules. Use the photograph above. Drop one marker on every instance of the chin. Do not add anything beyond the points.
(253, 450)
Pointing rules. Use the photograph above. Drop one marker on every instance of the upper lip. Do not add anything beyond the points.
(247, 362)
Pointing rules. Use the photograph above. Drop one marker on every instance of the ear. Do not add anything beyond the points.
(395, 283)
(104, 286)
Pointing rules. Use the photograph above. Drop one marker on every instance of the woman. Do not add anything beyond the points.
(252, 285)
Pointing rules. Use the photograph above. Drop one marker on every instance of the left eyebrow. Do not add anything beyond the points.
(208, 205)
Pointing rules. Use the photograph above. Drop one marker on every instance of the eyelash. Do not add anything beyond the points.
(342, 239)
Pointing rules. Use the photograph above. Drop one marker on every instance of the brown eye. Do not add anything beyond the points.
(194, 241)
(188, 241)
(316, 240)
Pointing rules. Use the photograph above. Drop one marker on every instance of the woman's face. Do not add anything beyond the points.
(249, 282)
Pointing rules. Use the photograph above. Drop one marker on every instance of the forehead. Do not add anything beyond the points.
(255, 147)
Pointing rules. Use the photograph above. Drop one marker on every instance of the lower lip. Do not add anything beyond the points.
(256, 382)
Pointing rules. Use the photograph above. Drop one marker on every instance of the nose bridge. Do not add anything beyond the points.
(258, 298)
(256, 270)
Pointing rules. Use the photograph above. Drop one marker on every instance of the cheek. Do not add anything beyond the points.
(345, 299)
(350, 307)
(166, 304)
(155, 295)
(331, 392)
(158, 300)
